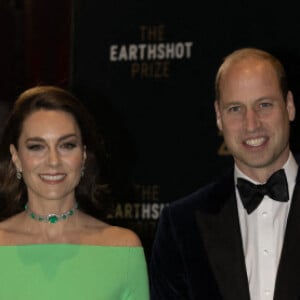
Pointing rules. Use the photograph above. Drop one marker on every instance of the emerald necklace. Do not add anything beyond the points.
(50, 218)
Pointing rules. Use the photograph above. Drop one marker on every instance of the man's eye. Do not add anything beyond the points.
(234, 109)
(265, 104)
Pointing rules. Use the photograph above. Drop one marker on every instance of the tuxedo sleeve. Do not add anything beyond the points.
(167, 272)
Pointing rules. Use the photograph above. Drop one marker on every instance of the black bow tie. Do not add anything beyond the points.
(252, 194)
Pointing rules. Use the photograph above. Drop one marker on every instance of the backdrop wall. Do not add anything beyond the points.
(146, 70)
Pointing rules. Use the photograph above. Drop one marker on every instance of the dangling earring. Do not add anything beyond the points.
(82, 171)
(19, 175)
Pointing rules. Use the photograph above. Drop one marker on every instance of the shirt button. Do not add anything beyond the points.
(264, 214)
(267, 292)
(266, 252)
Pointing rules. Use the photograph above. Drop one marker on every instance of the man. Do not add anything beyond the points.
(218, 243)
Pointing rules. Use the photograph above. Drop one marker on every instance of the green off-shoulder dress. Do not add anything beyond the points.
(73, 272)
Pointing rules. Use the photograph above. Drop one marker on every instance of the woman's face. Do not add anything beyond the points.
(50, 155)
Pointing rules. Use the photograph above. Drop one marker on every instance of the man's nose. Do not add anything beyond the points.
(252, 120)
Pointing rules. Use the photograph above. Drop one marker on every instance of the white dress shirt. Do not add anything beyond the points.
(262, 233)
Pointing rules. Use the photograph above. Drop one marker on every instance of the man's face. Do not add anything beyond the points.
(253, 116)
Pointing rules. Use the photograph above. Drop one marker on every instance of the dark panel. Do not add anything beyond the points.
(161, 124)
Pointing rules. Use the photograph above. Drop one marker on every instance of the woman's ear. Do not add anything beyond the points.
(84, 154)
(15, 157)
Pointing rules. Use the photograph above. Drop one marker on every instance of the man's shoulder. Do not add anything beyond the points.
(297, 157)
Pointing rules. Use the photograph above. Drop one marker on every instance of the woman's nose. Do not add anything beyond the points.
(53, 157)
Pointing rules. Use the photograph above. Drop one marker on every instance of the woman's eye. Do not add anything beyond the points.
(68, 145)
(35, 147)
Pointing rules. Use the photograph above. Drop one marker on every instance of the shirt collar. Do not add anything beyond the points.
(290, 167)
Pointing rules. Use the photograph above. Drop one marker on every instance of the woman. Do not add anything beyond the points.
(51, 195)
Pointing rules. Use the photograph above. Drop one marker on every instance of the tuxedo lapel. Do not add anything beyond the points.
(220, 231)
(288, 276)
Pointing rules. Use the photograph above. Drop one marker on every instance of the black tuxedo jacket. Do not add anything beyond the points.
(198, 254)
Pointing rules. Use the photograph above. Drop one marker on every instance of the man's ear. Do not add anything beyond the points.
(290, 106)
(15, 157)
(218, 115)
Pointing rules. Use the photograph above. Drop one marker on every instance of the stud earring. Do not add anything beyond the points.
(19, 175)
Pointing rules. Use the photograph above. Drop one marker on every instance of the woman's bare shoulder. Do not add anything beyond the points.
(101, 233)
(120, 236)
(86, 231)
